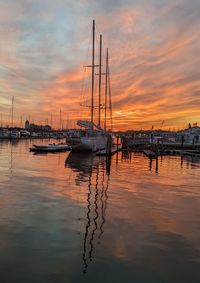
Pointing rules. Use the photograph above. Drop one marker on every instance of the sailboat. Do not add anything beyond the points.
(94, 138)
(14, 134)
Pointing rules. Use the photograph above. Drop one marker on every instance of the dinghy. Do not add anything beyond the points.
(50, 147)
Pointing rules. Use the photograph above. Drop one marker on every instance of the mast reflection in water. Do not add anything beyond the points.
(86, 220)
(96, 170)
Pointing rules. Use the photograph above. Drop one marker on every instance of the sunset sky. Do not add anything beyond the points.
(154, 48)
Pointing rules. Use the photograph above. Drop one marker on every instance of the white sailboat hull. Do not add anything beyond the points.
(91, 144)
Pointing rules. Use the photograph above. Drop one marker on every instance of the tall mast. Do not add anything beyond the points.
(60, 119)
(51, 121)
(106, 89)
(110, 101)
(12, 112)
(1, 121)
(100, 62)
(93, 50)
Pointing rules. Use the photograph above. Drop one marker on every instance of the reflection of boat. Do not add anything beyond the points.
(50, 148)
(83, 164)
(95, 171)
(97, 198)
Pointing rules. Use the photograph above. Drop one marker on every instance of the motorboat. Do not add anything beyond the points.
(50, 147)
(14, 134)
(4, 133)
(25, 133)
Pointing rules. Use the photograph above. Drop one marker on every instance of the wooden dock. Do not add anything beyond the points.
(188, 152)
(149, 153)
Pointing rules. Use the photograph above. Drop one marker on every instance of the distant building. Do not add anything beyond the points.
(191, 135)
(27, 124)
(39, 128)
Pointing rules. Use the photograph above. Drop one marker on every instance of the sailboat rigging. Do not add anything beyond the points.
(95, 137)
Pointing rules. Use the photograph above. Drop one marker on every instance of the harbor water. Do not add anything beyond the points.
(67, 217)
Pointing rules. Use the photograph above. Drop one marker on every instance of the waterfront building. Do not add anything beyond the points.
(191, 134)
(27, 124)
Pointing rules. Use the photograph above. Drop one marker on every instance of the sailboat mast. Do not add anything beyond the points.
(51, 120)
(12, 112)
(93, 52)
(100, 62)
(110, 101)
(60, 119)
(106, 90)
(1, 121)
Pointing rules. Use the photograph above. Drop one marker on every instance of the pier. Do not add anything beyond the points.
(149, 153)
(113, 150)
(158, 143)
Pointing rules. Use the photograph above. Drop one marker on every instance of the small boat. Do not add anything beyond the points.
(25, 133)
(4, 133)
(15, 134)
(50, 147)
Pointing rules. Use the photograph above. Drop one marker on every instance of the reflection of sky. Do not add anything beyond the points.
(150, 227)
(154, 51)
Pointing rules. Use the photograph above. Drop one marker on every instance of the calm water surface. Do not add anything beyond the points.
(77, 218)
